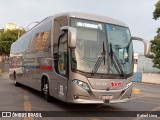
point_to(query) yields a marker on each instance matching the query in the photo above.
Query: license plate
(107, 96)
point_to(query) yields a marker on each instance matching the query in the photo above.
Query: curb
(146, 83)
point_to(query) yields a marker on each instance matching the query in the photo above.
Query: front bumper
(89, 98)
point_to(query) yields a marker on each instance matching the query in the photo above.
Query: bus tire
(46, 89)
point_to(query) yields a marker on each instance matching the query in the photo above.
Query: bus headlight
(127, 85)
(81, 84)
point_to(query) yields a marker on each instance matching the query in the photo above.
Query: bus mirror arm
(72, 36)
(147, 44)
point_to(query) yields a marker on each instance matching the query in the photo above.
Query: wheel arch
(45, 77)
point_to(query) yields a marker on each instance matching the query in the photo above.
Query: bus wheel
(46, 91)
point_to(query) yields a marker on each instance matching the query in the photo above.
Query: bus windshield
(95, 38)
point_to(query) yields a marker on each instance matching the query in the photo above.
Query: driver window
(60, 46)
(62, 60)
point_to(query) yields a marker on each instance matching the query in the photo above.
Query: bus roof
(81, 15)
(92, 17)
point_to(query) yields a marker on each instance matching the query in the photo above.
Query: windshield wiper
(116, 62)
(99, 61)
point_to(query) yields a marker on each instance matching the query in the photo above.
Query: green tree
(7, 37)
(155, 49)
(155, 44)
(156, 13)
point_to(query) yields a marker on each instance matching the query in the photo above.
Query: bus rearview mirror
(147, 44)
(72, 36)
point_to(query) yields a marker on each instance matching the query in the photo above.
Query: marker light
(81, 84)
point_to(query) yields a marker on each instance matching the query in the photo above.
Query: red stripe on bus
(46, 67)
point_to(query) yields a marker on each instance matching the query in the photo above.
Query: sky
(137, 14)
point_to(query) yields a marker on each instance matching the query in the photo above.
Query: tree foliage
(156, 13)
(155, 44)
(7, 37)
(155, 49)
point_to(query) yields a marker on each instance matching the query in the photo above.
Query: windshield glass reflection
(93, 38)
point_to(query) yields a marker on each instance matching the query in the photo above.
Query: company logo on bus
(116, 84)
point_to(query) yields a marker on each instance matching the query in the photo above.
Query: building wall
(11, 26)
(145, 65)
(151, 78)
(4, 67)
(145, 72)
(137, 77)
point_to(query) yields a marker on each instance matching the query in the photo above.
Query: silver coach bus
(77, 58)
